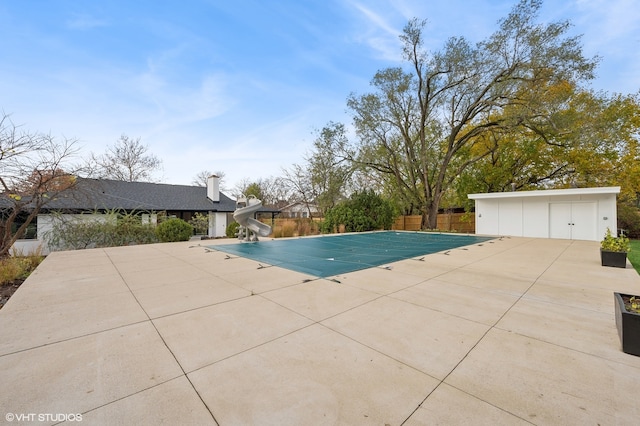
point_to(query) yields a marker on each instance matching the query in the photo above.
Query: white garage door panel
(583, 217)
(560, 220)
(510, 218)
(573, 221)
(535, 220)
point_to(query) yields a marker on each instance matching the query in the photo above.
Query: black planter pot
(628, 325)
(616, 259)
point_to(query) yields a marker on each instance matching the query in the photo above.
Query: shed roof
(546, 193)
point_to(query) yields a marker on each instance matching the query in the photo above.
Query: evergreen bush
(629, 220)
(232, 229)
(200, 223)
(174, 229)
(364, 211)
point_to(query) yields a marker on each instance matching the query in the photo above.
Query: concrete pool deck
(512, 331)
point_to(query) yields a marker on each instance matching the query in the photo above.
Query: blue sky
(242, 86)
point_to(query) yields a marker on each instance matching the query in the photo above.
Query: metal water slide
(246, 207)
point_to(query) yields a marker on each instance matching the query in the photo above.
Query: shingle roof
(105, 194)
(97, 194)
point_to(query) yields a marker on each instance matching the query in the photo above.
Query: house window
(149, 219)
(31, 232)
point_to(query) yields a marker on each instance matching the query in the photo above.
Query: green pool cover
(331, 255)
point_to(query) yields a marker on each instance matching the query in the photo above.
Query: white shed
(574, 214)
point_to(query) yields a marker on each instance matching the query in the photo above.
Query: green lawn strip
(634, 255)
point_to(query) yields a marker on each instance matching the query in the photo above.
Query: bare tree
(325, 178)
(271, 191)
(127, 160)
(200, 179)
(32, 174)
(241, 187)
(275, 191)
(298, 179)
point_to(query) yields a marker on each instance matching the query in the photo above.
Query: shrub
(200, 223)
(364, 211)
(11, 268)
(99, 230)
(30, 259)
(129, 229)
(629, 220)
(232, 229)
(18, 267)
(285, 230)
(611, 243)
(174, 230)
(306, 227)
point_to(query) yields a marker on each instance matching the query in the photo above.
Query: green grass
(634, 255)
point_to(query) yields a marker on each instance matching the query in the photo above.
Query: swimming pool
(330, 255)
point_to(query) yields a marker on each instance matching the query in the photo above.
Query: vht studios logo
(43, 417)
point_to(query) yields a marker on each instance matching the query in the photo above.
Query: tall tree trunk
(432, 214)
(424, 222)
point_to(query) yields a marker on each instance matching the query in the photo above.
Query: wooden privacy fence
(455, 222)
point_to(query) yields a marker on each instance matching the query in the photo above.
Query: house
(573, 214)
(95, 197)
(300, 209)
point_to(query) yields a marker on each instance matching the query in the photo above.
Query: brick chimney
(213, 188)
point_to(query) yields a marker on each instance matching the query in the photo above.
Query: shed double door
(573, 221)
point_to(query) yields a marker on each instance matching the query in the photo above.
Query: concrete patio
(512, 331)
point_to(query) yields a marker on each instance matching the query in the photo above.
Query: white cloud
(610, 23)
(378, 33)
(85, 22)
(376, 19)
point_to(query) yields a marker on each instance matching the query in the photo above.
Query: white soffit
(546, 193)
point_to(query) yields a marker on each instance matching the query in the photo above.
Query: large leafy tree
(33, 172)
(579, 138)
(425, 124)
(622, 116)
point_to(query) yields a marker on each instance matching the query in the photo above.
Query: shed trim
(546, 193)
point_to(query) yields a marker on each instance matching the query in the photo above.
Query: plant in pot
(628, 322)
(613, 250)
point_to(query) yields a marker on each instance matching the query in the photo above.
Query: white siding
(572, 214)
(487, 219)
(510, 217)
(217, 224)
(535, 219)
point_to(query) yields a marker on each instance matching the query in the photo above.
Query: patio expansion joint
(106, 404)
(489, 329)
(249, 348)
(311, 324)
(93, 333)
(252, 294)
(164, 342)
